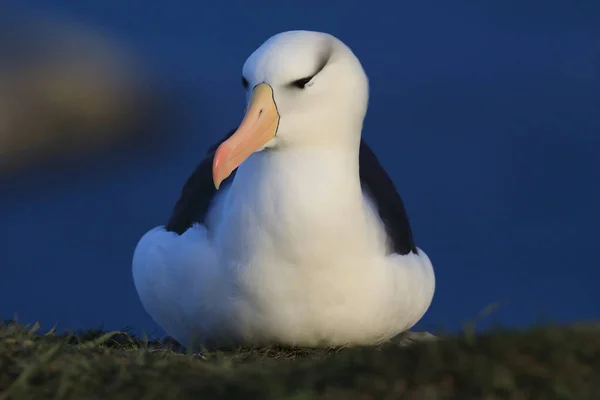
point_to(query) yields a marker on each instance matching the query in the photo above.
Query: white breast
(306, 255)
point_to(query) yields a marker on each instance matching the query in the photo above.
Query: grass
(542, 362)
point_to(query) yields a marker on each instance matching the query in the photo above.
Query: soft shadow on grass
(542, 362)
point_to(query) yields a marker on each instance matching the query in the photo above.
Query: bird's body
(306, 244)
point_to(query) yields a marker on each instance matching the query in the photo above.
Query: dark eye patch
(301, 83)
(245, 83)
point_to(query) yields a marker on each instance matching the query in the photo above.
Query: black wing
(197, 194)
(390, 206)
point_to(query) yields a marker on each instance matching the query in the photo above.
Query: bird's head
(303, 89)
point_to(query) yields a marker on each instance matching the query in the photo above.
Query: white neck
(302, 173)
(324, 131)
(300, 195)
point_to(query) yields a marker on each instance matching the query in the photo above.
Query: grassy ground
(544, 362)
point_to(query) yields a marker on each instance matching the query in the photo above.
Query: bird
(289, 231)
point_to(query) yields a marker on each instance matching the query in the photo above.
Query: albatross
(289, 231)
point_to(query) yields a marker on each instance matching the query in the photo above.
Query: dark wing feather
(390, 206)
(197, 194)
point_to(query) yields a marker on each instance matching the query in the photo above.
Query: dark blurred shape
(65, 89)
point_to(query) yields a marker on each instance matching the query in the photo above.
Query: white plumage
(293, 251)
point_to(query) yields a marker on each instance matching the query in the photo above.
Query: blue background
(485, 113)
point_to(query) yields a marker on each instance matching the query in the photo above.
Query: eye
(301, 83)
(245, 83)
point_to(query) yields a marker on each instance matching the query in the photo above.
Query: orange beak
(257, 128)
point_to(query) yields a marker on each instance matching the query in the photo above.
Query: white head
(303, 89)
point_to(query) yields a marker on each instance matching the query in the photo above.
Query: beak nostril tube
(258, 126)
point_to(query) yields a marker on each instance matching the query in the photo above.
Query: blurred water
(485, 115)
